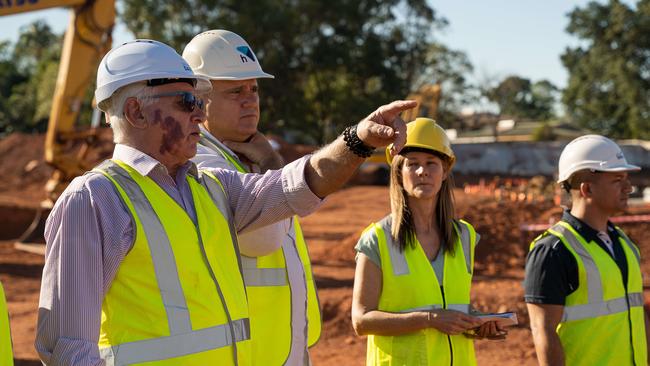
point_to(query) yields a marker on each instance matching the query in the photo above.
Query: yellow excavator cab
(428, 97)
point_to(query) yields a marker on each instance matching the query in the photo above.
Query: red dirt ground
(331, 234)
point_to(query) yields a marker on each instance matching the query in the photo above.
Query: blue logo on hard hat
(244, 50)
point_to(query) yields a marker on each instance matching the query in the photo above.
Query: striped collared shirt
(90, 230)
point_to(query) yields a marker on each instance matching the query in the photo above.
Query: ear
(446, 169)
(133, 113)
(585, 189)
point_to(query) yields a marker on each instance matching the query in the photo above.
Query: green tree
(518, 97)
(609, 73)
(36, 44)
(545, 95)
(334, 60)
(28, 72)
(10, 77)
(449, 68)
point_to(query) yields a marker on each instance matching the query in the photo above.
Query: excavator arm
(428, 98)
(86, 41)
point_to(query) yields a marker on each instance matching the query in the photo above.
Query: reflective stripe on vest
(178, 317)
(181, 344)
(254, 276)
(314, 314)
(6, 355)
(618, 305)
(596, 306)
(463, 308)
(182, 339)
(217, 193)
(629, 244)
(397, 259)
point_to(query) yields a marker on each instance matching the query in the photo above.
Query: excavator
(428, 98)
(67, 145)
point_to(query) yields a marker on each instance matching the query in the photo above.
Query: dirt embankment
(331, 233)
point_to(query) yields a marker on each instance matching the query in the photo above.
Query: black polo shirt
(551, 269)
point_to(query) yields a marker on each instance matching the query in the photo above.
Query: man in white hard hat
(283, 304)
(583, 285)
(142, 264)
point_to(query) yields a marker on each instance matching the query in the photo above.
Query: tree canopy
(518, 97)
(334, 61)
(609, 72)
(28, 73)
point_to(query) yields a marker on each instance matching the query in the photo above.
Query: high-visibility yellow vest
(6, 356)
(269, 300)
(269, 292)
(603, 321)
(409, 284)
(178, 297)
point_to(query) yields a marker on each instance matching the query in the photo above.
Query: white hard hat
(140, 60)
(223, 55)
(593, 152)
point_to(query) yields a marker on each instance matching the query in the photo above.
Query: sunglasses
(189, 102)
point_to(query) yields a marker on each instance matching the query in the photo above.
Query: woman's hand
(490, 330)
(452, 322)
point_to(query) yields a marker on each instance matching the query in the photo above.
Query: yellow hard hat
(425, 133)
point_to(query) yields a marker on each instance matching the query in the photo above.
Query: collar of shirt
(145, 164)
(587, 232)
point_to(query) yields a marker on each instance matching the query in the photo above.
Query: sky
(500, 37)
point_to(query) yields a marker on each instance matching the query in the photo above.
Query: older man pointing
(142, 264)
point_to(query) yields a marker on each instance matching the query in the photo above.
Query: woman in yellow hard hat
(414, 267)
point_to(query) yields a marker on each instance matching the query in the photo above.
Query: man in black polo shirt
(583, 285)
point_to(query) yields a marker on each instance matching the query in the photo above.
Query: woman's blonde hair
(403, 226)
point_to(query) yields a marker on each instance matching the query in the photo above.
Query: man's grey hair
(114, 107)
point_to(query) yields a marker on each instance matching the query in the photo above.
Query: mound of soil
(331, 234)
(23, 171)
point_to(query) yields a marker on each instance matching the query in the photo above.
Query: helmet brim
(105, 92)
(613, 169)
(240, 76)
(620, 168)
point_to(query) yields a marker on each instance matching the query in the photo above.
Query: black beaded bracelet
(354, 143)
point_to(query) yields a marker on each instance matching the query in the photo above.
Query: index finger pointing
(393, 109)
